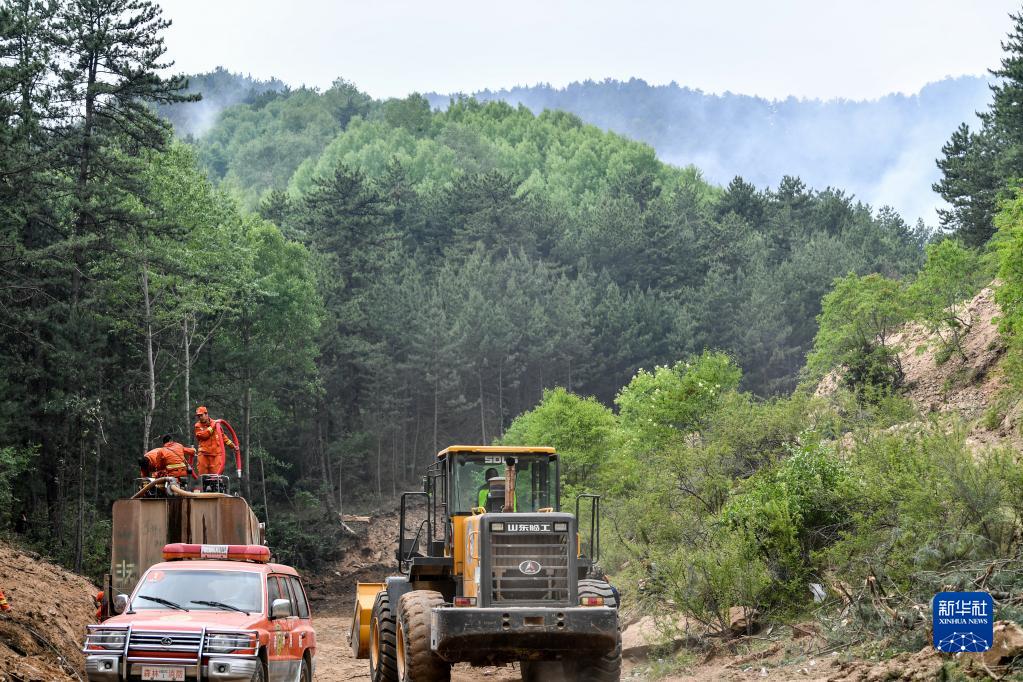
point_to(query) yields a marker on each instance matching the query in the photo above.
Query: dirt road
(334, 661)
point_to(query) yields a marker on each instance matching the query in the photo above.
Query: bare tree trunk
(380, 489)
(247, 433)
(415, 442)
(436, 398)
(80, 529)
(150, 361)
(500, 400)
(329, 497)
(483, 418)
(340, 484)
(262, 478)
(186, 345)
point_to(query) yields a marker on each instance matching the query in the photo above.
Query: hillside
(971, 387)
(882, 151)
(41, 637)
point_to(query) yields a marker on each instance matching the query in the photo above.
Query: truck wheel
(259, 675)
(416, 660)
(607, 668)
(383, 666)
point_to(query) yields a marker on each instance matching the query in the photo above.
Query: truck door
(280, 661)
(301, 627)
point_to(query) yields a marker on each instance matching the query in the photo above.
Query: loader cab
(456, 488)
(536, 481)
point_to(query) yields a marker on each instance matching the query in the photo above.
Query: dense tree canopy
(356, 283)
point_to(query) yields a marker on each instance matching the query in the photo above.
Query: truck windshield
(535, 481)
(200, 590)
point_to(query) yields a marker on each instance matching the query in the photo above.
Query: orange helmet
(201, 410)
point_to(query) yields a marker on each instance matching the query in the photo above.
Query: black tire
(544, 671)
(417, 661)
(383, 664)
(306, 674)
(260, 674)
(607, 668)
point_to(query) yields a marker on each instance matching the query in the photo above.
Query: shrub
(951, 276)
(706, 581)
(792, 510)
(857, 322)
(14, 461)
(581, 429)
(662, 405)
(930, 510)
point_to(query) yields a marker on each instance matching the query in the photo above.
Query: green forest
(357, 283)
(880, 150)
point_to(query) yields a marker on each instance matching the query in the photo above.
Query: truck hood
(150, 619)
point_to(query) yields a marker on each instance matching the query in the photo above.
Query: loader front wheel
(416, 660)
(383, 663)
(607, 668)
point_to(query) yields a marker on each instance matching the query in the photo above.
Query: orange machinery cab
(208, 612)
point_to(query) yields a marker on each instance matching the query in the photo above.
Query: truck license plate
(162, 674)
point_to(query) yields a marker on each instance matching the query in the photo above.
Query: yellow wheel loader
(493, 573)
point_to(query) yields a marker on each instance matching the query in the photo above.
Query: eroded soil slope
(41, 637)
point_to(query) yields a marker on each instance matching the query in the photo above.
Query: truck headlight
(106, 640)
(230, 643)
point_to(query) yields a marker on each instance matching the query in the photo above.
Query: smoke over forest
(882, 151)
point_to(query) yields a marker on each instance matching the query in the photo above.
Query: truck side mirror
(281, 608)
(120, 603)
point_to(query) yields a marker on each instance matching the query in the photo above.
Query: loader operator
(212, 443)
(168, 460)
(483, 496)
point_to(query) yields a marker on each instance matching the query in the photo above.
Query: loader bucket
(358, 637)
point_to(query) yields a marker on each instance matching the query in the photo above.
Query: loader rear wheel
(416, 660)
(383, 663)
(606, 668)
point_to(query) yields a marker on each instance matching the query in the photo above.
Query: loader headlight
(497, 527)
(560, 527)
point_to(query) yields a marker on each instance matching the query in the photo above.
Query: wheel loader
(491, 572)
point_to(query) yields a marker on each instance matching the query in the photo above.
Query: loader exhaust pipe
(509, 485)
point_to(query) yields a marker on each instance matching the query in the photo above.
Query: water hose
(172, 485)
(221, 424)
(181, 492)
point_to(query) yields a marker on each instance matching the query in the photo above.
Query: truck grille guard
(179, 647)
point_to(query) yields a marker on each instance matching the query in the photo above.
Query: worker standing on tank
(212, 442)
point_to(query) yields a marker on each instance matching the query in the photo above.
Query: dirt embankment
(41, 637)
(969, 384)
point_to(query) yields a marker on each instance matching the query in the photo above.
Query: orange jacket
(166, 461)
(211, 439)
(181, 450)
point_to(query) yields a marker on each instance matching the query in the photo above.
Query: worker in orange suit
(212, 442)
(168, 460)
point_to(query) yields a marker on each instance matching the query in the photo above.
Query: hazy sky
(774, 48)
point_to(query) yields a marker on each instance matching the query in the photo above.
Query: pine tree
(1006, 113)
(970, 184)
(108, 80)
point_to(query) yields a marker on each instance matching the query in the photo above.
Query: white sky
(773, 48)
